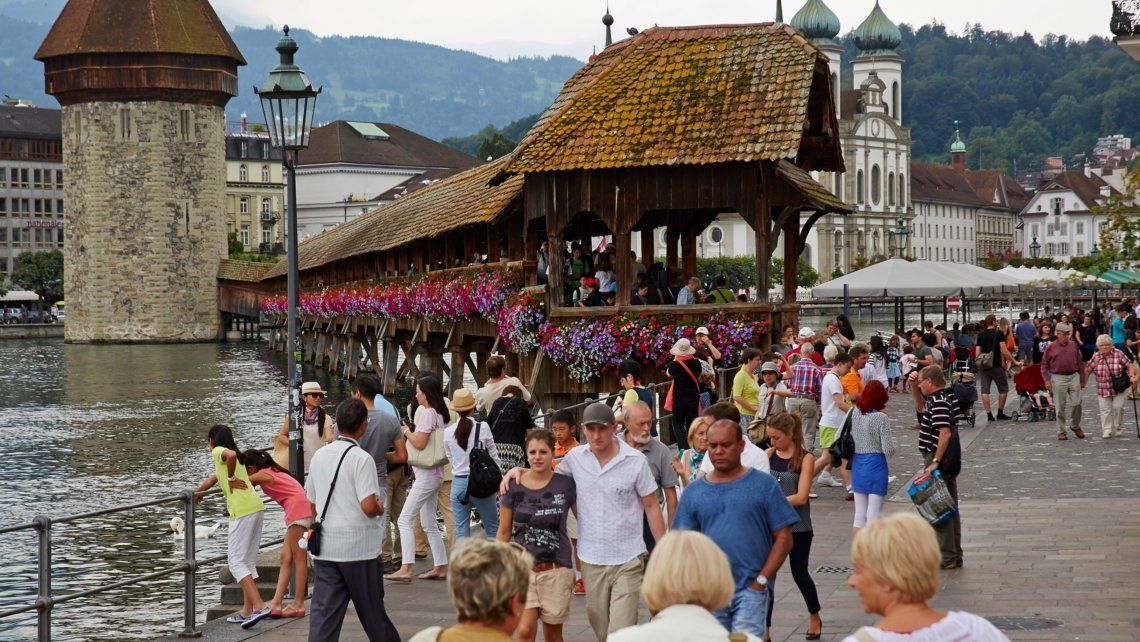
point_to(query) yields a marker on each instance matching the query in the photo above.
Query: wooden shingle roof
(463, 199)
(679, 95)
(139, 27)
(249, 271)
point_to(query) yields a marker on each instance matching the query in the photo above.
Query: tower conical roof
(877, 35)
(816, 21)
(139, 27)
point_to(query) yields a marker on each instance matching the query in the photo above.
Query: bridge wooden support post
(352, 356)
(334, 351)
(458, 366)
(319, 351)
(389, 365)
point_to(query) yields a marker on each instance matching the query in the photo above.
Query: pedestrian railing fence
(47, 599)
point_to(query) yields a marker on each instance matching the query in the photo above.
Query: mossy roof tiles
(233, 270)
(463, 199)
(679, 95)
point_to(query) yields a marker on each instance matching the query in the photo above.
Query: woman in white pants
(873, 447)
(423, 501)
(1108, 362)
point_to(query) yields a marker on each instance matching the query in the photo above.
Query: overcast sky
(516, 27)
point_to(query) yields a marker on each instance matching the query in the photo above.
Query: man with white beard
(638, 424)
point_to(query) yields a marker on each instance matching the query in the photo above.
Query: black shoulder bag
(844, 447)
(315, 531)
(483, 475)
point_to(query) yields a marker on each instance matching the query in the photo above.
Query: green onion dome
(816, 21)
(877, 35)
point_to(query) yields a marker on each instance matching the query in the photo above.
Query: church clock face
(876, 127)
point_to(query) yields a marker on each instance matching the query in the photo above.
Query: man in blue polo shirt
(746, 514)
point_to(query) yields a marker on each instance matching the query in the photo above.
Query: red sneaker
(579, 587)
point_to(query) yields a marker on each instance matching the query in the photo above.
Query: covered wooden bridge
(668, 129)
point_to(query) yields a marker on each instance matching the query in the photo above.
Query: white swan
(178, 525)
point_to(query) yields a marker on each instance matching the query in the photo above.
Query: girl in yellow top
(746, 388)
(247, 513)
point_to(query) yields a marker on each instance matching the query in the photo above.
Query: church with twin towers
(876, 150)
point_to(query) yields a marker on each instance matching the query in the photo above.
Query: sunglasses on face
(315, 394)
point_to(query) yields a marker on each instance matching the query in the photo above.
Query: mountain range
(430, 89)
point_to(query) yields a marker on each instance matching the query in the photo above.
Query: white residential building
(351, 167)
(1059, 217)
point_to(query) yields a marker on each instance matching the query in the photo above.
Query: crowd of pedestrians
(599, 505)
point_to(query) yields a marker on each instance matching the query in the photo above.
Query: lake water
(85, 427)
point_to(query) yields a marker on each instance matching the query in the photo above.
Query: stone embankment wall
(145, 196)
(31, 331)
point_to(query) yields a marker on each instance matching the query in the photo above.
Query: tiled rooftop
(679, 95)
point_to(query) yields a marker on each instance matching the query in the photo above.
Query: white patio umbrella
(902, 278)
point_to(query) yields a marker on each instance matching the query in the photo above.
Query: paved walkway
(1051, 536)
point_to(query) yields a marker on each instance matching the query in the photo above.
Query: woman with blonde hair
(896, 562)
(488, 582)
(686, 579)
(787, 459)
(687, 465)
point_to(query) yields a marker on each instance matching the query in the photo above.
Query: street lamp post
(899, 236)
(288, 100)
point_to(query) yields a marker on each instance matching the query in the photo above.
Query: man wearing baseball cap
(806, 336)
(615, 489)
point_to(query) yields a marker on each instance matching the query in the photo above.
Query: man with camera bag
(345, 494)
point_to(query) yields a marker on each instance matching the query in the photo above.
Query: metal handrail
(45, 601)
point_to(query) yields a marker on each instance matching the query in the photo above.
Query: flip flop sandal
(289, 614)
(438, 578)
(398, 580)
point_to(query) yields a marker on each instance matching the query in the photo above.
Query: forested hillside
(1017, 99)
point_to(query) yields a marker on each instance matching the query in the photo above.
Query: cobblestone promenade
(1051, 535)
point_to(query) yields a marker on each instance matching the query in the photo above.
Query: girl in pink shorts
(280, 486)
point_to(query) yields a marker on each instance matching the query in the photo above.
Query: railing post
(189, 595)
(43, 596)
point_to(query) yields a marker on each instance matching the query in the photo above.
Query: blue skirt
(893, 371)
(869, 474)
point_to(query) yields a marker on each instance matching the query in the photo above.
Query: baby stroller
(962, 382)
(1028, 382)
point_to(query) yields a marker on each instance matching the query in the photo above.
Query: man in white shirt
(345, 493)
(833, 409)
(753, 456)
(615, 488)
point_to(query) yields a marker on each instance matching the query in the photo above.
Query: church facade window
(876, 184)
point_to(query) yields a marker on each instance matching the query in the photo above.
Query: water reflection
(86, 427)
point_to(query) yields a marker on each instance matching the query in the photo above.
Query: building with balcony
(1060, 215)
(31, 181)
(255, 189)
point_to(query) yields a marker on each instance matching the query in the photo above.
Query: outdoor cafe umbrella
(902, 278)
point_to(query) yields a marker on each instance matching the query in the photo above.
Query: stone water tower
(143, 85)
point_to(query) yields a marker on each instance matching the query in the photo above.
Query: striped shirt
(939, 413)
(806, 379)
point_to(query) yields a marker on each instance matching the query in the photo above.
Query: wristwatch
(936, 461)
(763, 582)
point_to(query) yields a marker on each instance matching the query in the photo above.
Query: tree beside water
(40, 272)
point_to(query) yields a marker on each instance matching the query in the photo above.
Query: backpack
(844, 446)
(484, 475)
